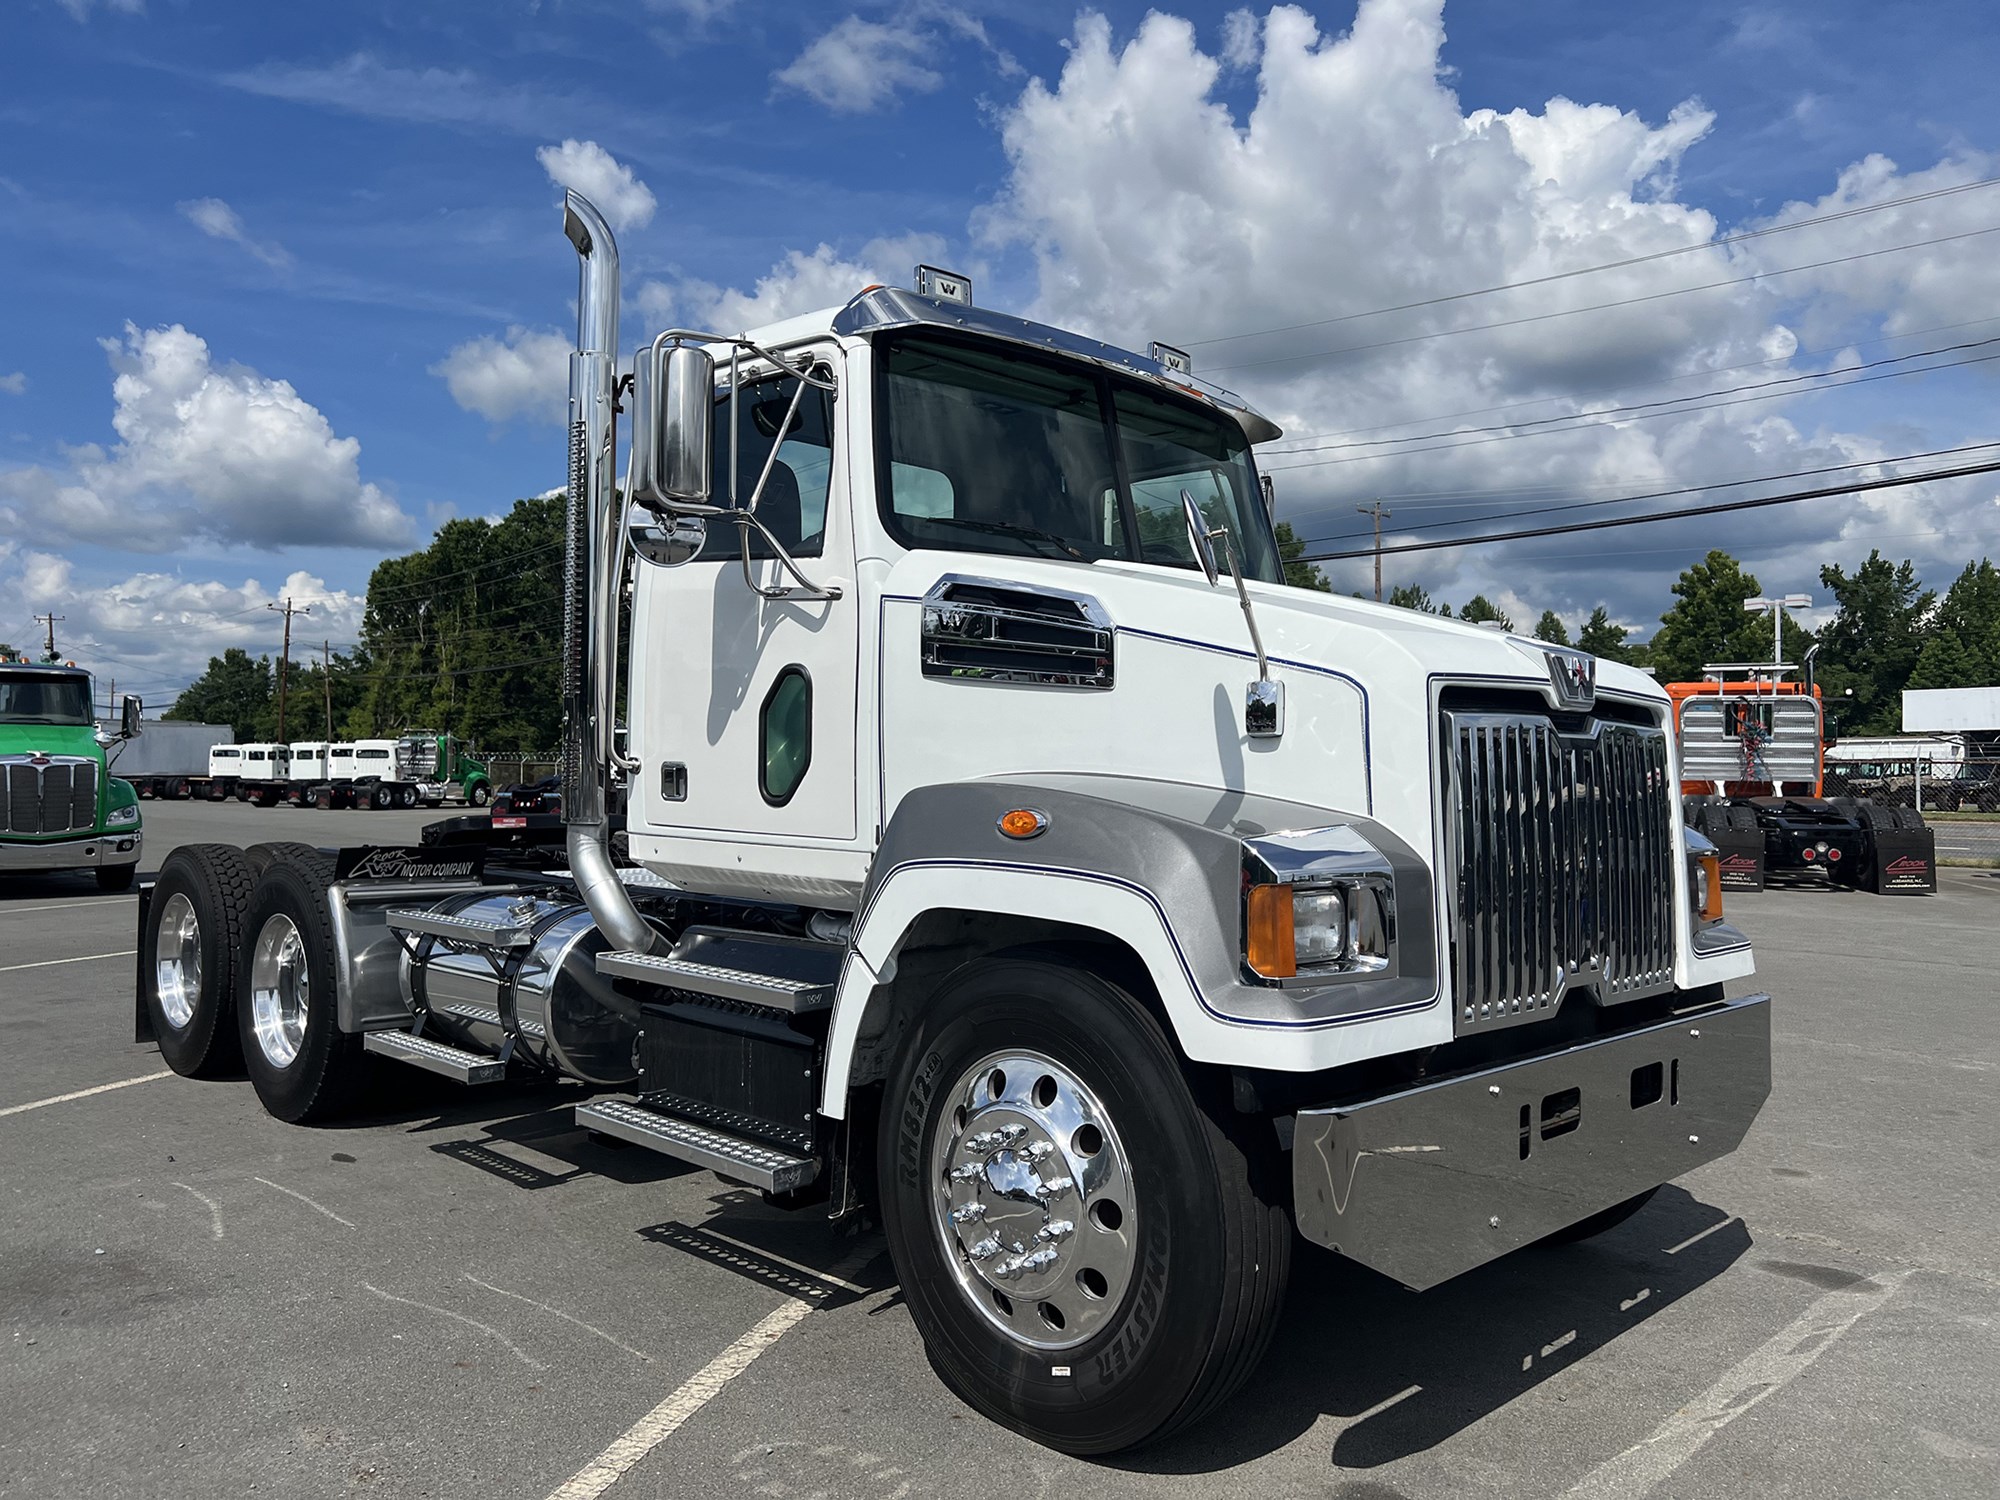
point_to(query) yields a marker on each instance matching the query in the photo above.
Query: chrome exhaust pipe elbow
(591, 560)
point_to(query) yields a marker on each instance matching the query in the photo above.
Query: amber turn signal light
(1269, 946)
(1711, 903)
(1022, 822)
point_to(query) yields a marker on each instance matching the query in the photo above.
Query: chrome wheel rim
(177, 961)
(1032, 1200)
(280, 990)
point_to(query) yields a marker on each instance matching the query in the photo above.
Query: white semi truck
(1002, 867)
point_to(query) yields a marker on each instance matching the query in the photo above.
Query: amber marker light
(1268, 944)
(1711, 905)
(1023, 823)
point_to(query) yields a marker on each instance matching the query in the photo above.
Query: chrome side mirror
(1264, 699)
(669, 541)
(1200, 538)
(128, 720)
(673, 397)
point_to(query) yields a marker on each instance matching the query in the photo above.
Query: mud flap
(1905, 862)
(1742, 856)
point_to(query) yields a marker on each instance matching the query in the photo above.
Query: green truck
(60, 806)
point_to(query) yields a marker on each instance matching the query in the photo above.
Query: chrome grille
(57, 796)
(1562, 849)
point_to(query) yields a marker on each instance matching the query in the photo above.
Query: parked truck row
(1017, 861)
(424, 768)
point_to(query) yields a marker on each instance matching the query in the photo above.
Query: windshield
(996, 450)
(31, 698)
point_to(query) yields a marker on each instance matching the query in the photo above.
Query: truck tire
(263, 856)
(1739, 819)
(379, 796)
(1694, 812)
(480, 793)
(177, 789)
(187, 956)
(406, 796)
(303, 1066)
(1907, 817)
(1091, 1318)
(117, 877)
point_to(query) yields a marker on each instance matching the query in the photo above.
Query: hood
(51, 739)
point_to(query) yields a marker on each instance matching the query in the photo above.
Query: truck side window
(794, 501)
(786, 725)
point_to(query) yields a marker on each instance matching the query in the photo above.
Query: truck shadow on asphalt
(1409, 1370)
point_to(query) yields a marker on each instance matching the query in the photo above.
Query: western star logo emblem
(1574, 674)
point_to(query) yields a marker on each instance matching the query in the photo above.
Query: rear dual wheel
(1093, 1257)
(303, 1066)
(188, 955)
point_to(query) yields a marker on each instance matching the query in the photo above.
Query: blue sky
(337, 198)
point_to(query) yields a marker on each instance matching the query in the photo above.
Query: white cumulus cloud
(525, 375)
(218, 220)
(81, 9)
(802, 282)
(859, 66)
(205, 451)
(15, 384)
(625, 201)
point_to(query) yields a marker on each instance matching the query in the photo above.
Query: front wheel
(1092, 1257)
(480, 795)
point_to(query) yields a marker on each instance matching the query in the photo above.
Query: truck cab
(60, 808)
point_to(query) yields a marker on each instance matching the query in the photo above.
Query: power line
(1613, 265)
(1856, 488)
(1664, 406)
(1687, 489)
(1570, 312)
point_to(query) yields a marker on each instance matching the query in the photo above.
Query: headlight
(1317, 905)
(1704, 879)
(122, 817)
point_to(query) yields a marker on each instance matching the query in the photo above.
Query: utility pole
(1378, 513)
(288, 609)
(326, 647)
(50, 621)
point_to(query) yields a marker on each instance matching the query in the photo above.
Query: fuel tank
(570, 1020)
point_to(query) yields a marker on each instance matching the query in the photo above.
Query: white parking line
(664, 1420)
(22, 911)
(49, 963)
(102, 1088)
(1767, 1370)
(700, 1388)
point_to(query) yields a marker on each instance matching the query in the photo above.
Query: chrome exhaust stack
(591, 562)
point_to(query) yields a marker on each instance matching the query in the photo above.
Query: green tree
(1946, 662)
(1481, 610)
(1969, 611)
(1299, 574)
(1872, 643)
(1600, 637)
(1708, 624)
(1550, 628)
(1415, 596)
(235, 690)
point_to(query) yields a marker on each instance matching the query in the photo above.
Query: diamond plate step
(479, 931)
(771, 991)
(435, 1057)
(734, 1157)
(486, 1015)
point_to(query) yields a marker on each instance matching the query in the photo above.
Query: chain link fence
(1934, 786)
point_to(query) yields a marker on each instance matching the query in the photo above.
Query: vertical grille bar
(1561, 855)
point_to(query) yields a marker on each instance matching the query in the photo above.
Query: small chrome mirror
(1199, 539)
(669, 541)
(673, 396)
(1264, 709)
(128, 722)
(1270, 492)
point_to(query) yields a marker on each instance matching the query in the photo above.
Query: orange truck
(1752, 756)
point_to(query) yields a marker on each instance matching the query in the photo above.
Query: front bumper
(120, 847)
(1428, 1183)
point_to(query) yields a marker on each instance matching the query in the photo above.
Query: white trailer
(1016, 858)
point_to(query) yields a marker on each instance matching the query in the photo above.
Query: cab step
(791, 975)
(486, 1015)
(733, 1156)
(478, 932)
(435, 1057)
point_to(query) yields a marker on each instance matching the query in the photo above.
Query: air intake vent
(978, 630)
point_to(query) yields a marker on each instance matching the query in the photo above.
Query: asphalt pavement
(459, 1293)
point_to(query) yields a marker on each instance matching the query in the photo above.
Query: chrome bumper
(119, 848)
(1425, 1184)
